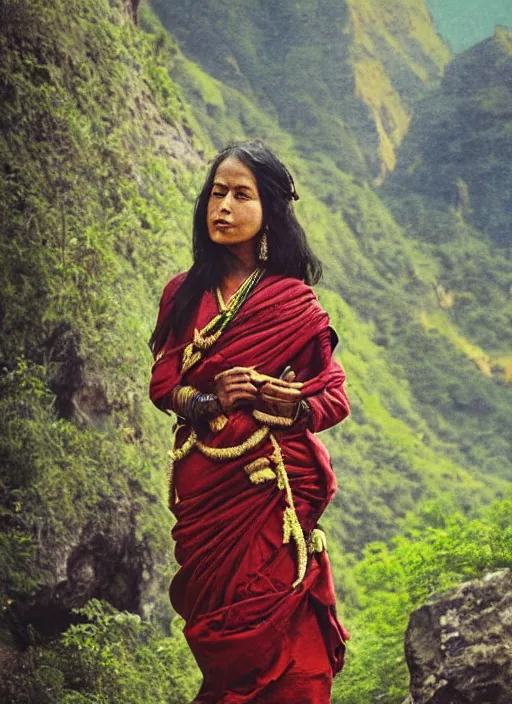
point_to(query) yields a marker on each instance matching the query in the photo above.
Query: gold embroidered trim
(291, 525)
(190, 357)
(177, 455)
(317, 541)
(262, 475)
(268, 419)
(259, 471)
(170, 482)
(193, 352)
(258, 463)
(231, 453)
(219, 453)
(218, 423)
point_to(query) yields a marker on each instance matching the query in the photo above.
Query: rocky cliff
(93, 135)
(459, 646)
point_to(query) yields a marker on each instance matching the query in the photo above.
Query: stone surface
(459, 646)
(110, 564)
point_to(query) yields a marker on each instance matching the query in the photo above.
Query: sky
(463, 23)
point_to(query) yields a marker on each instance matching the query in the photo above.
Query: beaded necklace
(204, 339)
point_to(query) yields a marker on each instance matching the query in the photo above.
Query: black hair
(288, 251)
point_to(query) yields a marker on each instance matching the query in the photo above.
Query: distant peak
(503, 35)
(501, 40)
(502, 31)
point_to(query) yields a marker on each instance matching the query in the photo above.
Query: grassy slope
(451, 194)
(101, 161)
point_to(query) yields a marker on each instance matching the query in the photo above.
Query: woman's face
(235, 212)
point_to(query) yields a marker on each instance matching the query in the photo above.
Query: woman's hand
(234, 388)
(245, 386)
(282, 396)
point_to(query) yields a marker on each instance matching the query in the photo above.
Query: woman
(243, 357)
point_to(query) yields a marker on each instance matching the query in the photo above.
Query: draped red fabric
(256, 639)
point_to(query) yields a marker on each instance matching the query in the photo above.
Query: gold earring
(263, 247)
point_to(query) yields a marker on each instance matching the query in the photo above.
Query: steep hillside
(105, 133)
(451, 191)
(458, 151)
(340, 76)
(391, 284)
(98, 156)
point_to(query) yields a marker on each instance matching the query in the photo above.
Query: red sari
(256, 638)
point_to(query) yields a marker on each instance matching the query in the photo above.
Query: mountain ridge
(363, 72)
(101, 158)
(458, 149)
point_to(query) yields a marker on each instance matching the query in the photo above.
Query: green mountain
(342, 77)
(106, 129)
(459, 146)
(391, 278)
(451, 191)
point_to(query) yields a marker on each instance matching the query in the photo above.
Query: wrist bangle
(204, 405)
(189, 403)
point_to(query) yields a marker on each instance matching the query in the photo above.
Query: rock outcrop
(459, 646)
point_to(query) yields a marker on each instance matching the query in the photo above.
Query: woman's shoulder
(291, 298)
(288, 284)
(172, 286)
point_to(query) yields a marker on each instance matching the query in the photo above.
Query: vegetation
(435, 551)
(94, 202)
(111, 658)
(106, 129)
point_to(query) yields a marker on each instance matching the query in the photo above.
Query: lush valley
(340, 77)
(106, 132)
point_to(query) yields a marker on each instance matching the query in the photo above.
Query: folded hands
(242, 386)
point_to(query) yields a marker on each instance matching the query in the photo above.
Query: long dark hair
(288, 250)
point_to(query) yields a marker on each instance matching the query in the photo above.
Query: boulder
(459, 646)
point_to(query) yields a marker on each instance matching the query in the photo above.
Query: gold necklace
(204, 339)
(246, 283)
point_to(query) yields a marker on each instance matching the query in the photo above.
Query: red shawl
(255, 638)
